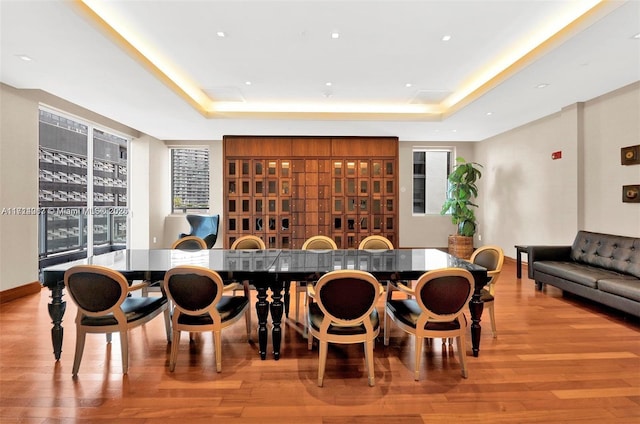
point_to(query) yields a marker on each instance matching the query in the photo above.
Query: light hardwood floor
(556, 360)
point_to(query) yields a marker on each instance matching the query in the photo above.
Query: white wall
(611, 122)
(18, 189)
(19, 177)
(528, 198)
(425, 230)
(174, 224)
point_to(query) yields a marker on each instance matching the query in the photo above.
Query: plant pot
(461, 246)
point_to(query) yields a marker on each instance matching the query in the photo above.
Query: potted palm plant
(460, 203)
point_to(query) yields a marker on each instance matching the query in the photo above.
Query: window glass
(190, 180)
(430, 171)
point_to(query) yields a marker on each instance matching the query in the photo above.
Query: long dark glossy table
(268, 270)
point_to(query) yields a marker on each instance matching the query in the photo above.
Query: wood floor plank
(557, 359)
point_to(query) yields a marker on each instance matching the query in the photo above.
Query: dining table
(269, 271)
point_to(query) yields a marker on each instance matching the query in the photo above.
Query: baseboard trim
(20, 291)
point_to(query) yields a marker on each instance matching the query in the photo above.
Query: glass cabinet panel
(285, 169)
(351, 169)
(337, 186)
(364, 168)
(351, 186)
(337, 169)
(377, 168)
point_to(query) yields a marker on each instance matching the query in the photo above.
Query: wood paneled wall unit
(287, 189)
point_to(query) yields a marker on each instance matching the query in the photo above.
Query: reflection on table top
(279, 261)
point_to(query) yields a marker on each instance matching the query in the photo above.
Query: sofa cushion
(625, 287)
(575, 272)
(616, 253)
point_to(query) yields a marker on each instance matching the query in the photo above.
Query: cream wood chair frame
(421, 321)
(318, 242)
(189, 243)
(375, 242)
(492, 258)
(105, 307)
(184, 243)
(208, 314)
(359, 322)
(248, 242)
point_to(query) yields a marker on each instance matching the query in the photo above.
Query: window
(82, 184)
(189, 180)
(431, 168)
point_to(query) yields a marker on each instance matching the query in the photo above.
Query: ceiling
(115, 60)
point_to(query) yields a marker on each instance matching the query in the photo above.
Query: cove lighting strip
(102, 12)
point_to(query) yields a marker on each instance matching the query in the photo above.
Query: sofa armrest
(546, 253)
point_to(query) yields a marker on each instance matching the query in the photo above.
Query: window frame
(85, 212)
(450, 159)
(187, 210)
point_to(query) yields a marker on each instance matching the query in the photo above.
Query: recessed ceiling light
(637, 36)
(408, 85)
(489, 113)
(328, 84)
(24, 57)
(543, 85)
(446, 37)
(454, 130)
(335, 35)
(221, 34)
(247, 83)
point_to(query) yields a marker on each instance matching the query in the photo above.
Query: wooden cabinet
(287, 189)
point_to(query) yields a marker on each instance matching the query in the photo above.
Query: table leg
(476, 306)
(262, 311)
(276, 317)
(518, 263)
(57, 308)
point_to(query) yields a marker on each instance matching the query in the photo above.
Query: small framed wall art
(630, 155)
(631, 193)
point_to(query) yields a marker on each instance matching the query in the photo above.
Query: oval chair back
(104, 306)
(199, 305)
(318, 242)
(189, 243)
(441, 297)
(248, 242)
(492, 258)
(345, 312)
(375, 242)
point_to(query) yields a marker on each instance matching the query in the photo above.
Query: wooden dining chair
(184, 243)
(344, 311)
(375, 242)
(104, 306)
(189, 243)
(319, 242)
(492, 258)
(199, 305)
(437, 311)
(248, 242)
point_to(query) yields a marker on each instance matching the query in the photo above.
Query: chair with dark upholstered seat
(154, 284)
(375, 242)
(196, 293)
(312, 243)
(104, 306)
(492, 258)
(441, 296)
(344, 312)
(189, 243)
(205, 227)
(248, 242)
